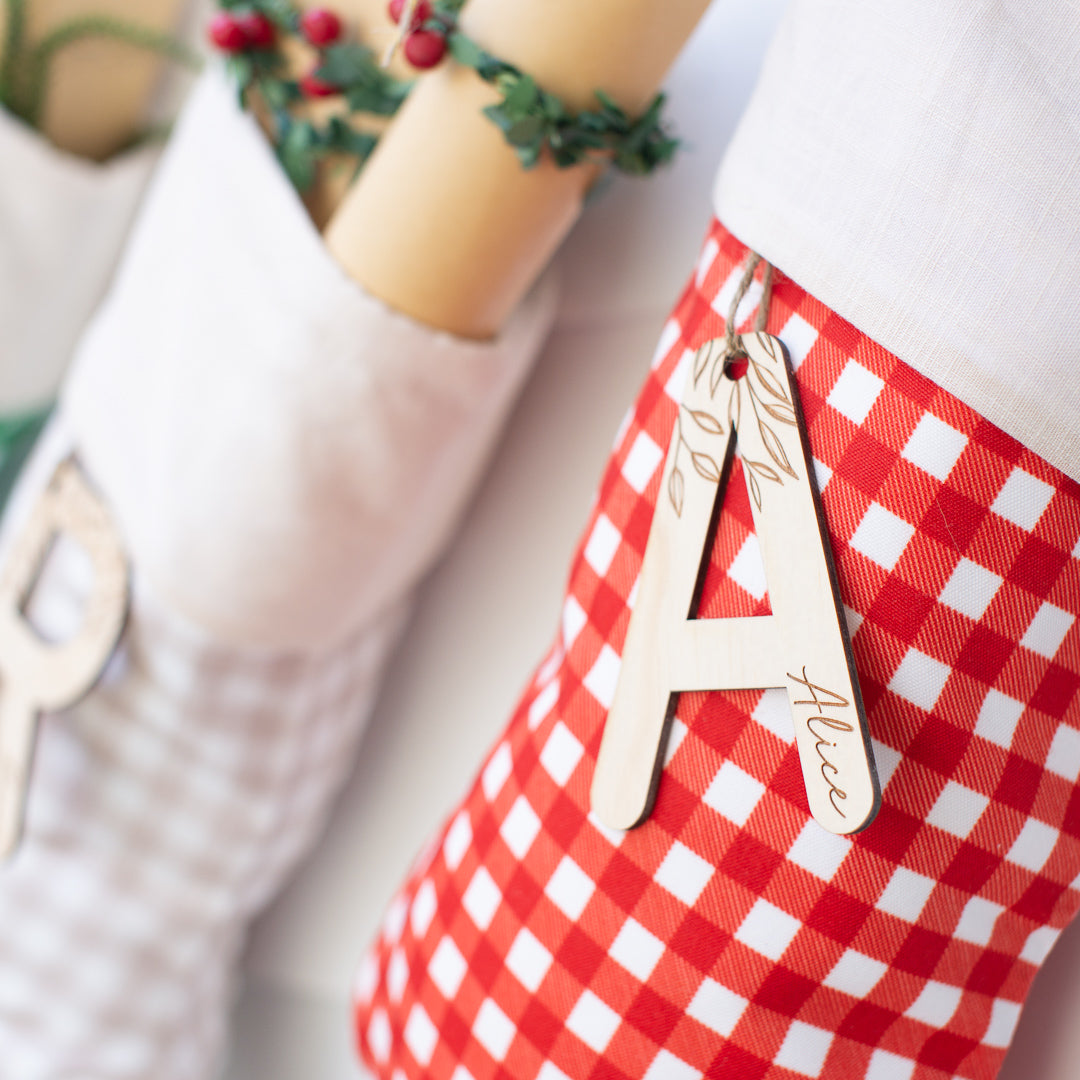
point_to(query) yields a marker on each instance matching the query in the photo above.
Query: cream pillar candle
(98, 88)
(444, 224)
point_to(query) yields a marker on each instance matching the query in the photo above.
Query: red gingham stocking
(730, 936)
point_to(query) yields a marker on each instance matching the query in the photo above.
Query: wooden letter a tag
(35, 675)
(803, 645)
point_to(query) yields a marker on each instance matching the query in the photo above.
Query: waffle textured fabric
(165, 810)
(730, 936)
(63, 220)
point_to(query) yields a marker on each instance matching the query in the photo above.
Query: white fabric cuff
(285, 455)
(62, 222)
(917, 169)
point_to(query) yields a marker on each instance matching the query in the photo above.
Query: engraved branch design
(769, 402)
(774, 404)
(704, 464)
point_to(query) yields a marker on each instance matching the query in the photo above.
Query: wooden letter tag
(803, 646)
(36, 675)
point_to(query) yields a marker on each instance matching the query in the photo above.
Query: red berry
(425, 48)
(312, 86)
(320, 26)
(226, 33)
(421, 13)
(257, 29)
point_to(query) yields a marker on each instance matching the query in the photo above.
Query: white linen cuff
(285, 455)
(62, 222)
(916, 169)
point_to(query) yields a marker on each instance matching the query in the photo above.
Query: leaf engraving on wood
(762, 469)
(772, 443)
(676, 489)
(784, 413)
(707, 422)
(753, 487)
(716, 375)
(705, 466)
(769, 381)
(734, 408)
(701, 360)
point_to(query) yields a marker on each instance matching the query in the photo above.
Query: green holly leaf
(374, 99)
(365, 99)
(240, 68)
(281, 12)
(344, 65)
(566, 156)
(529, 155)
(343, 138)
(665, 151)
(490, 68)
(465, 51)
(651, 118)
(499, 117)
(522, 96)
(610, 108)
(590, 122)
(526, 131)
(366, 86)
(553, 108)
(278, 93)
(297, 153)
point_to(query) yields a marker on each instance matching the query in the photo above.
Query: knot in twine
(731, 346)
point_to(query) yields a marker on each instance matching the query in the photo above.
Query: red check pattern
(730, 936)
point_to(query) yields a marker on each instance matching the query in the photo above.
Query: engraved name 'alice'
(822, 699)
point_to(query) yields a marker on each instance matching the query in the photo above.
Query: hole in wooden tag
(737, 367)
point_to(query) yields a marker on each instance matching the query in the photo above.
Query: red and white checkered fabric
(730, 936)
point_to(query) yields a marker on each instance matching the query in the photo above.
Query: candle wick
(404, 22)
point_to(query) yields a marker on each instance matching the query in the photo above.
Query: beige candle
(444, 223)
(98, 89)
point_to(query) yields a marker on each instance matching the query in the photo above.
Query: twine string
(753, 260)
(762, 318)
